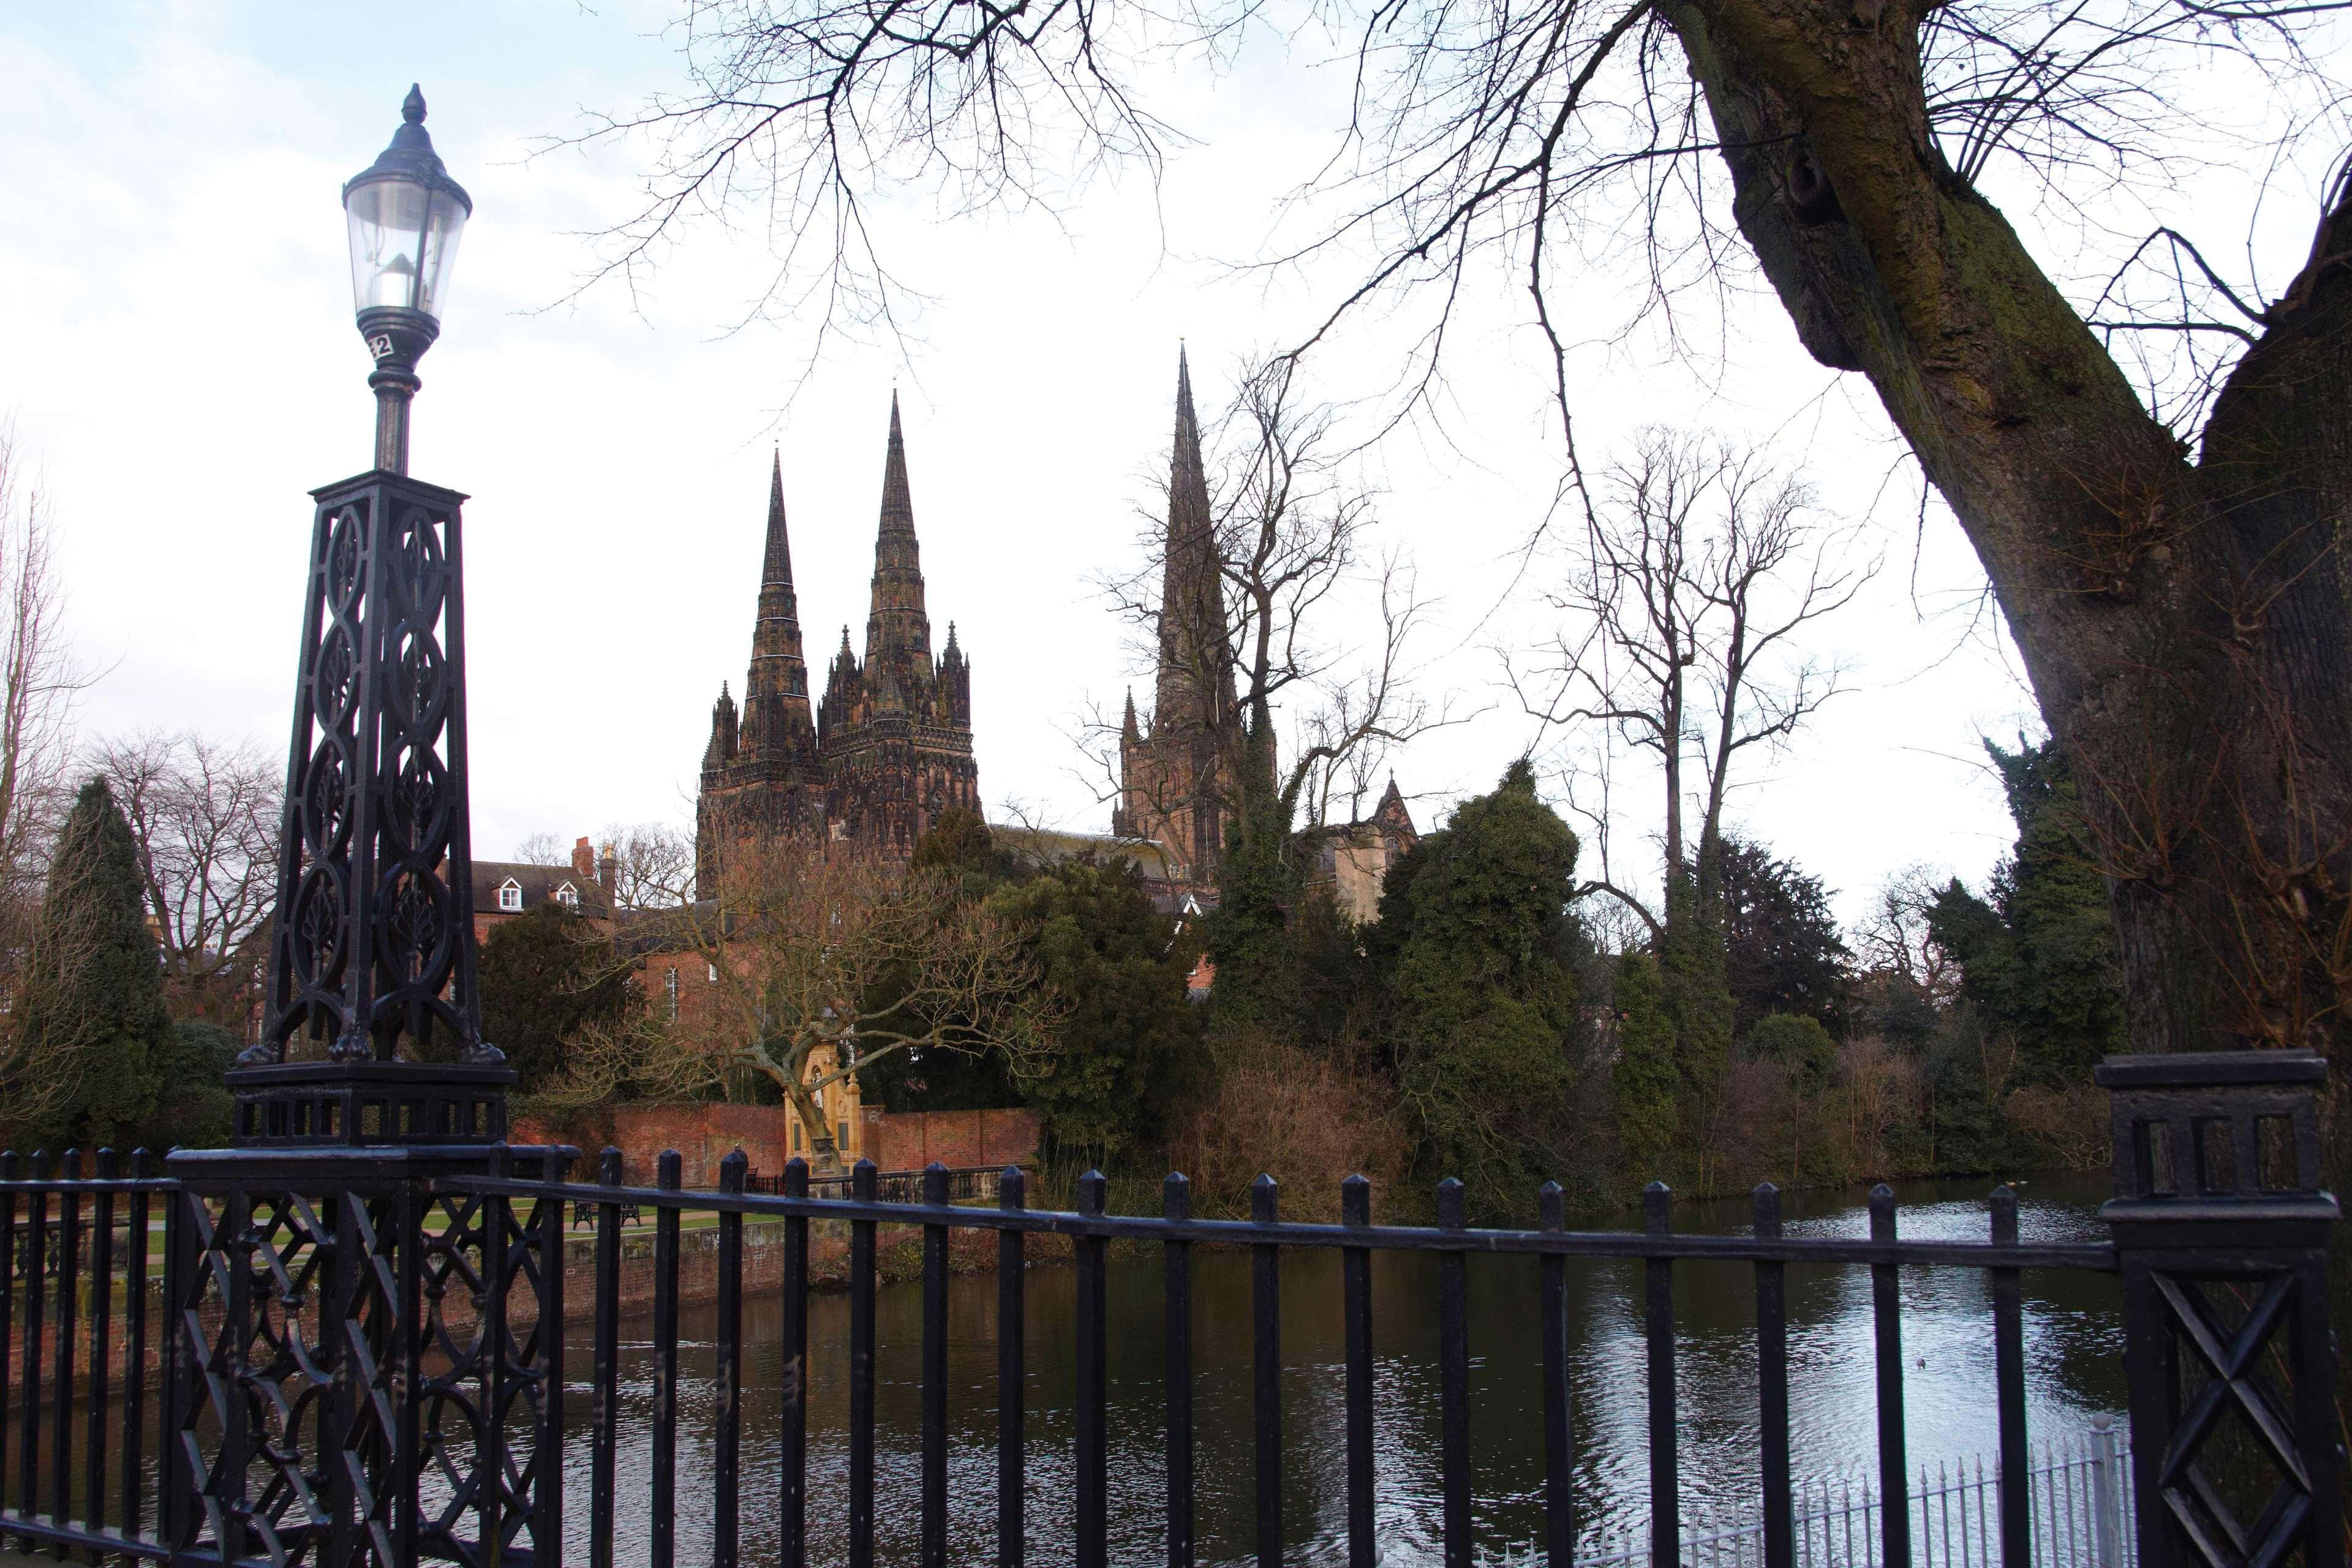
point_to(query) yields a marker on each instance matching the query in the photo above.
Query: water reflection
(2073, 1342)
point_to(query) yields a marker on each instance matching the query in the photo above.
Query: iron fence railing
(358, 1359)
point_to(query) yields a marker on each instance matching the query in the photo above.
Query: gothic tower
(895, 732)
(1175, 778)
(762, 773)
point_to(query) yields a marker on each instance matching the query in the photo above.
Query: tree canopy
(2038, 961)
(1484, 1010)
(544, 975)
(1128, 1044)
(1783, 952)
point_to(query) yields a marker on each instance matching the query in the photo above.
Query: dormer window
(568, 896)
(510, 895)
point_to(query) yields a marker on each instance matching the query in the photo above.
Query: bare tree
(206, 815)
(1894, 939)
(39, 679)
(824, 957)
(543, 848)
(1680, 618)
(653, 864)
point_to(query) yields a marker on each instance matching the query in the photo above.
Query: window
(796, 1137)
(670, 989)
(510, 895)
(714, 973)
(568, 896)
(842, 1140)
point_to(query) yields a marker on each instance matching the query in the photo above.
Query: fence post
(2221, 1233)
(2106, 1503)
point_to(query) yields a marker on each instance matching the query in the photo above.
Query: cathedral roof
(1050, 847)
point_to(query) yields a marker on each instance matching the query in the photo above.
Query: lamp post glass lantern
(405, 216)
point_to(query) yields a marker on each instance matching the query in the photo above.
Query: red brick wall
(953, 1138)
(705, 1135)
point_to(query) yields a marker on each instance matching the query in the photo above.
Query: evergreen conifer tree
(1643, 1080)
(1695, 987)
(1485, 991)
(544, 976)
(1129, 1042)
(2039, 960)
(94, 983)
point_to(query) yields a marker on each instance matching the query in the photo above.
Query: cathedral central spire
(1176, 780)
(1195, 685)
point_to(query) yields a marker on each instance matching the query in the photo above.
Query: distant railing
(2080, 1510)
(966, 1185)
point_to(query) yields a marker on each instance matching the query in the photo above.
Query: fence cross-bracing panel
(358, 1360)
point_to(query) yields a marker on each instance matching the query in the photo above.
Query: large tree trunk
(2183, 623)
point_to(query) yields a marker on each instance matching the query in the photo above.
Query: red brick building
(506, 889)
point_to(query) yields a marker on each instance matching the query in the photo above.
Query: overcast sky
(180, 356)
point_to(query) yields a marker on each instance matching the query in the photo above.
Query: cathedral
(889, 747)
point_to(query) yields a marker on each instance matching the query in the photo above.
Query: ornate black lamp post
(374, 1033)
(336, 1313)
(407, 215)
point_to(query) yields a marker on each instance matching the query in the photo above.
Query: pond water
(2072, 1351)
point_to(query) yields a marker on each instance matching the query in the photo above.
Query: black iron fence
(359, 1360)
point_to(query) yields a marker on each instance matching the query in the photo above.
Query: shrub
(2067, 1127)
(1795, 1042)
(1307, 1119)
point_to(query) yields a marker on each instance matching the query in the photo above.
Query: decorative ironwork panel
(365, 1368)
(2222, 1229)
(257, 1324)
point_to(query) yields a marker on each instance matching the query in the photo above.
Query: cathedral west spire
(887, 750)
(778, 665)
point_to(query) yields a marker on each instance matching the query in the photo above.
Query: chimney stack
(583, 859)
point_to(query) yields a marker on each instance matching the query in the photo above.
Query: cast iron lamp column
(372, 960)
(331, 1306)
